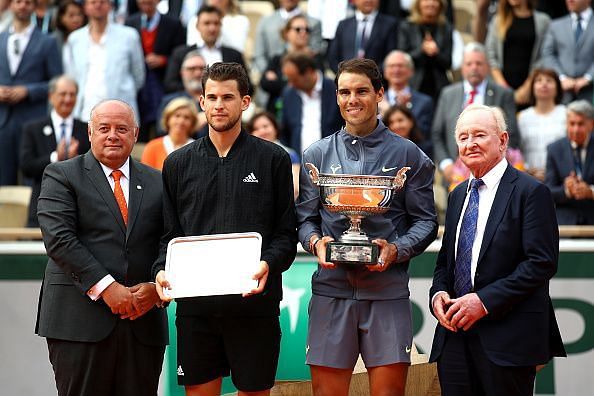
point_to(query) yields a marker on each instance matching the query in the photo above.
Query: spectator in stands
(105, 59)
(180, 119)
(209, 46)
(309, 109)
(475, 88)
(160, 35)
(30, 59)
(569, 50)
(45, 16)
(570, 167)
(191, 74)
(398, 70)
(5, 15)
(514, 42)
(401, 9)
(427, 37)
(264, 126)
(70, 17)
(296, 34)
(543, 122)
(368, 34)
(51, 139)
(268, 39)
(234, 29)
(329, 13)
(401, 120)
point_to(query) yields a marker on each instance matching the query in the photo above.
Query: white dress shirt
(17, 42)
(311, 114)
(57, 124)
(94, 292)
(96, 86)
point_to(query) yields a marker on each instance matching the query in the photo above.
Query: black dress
(517, 51)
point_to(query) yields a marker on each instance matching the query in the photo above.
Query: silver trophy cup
(355, 196)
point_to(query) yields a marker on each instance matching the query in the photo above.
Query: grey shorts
(341, 329)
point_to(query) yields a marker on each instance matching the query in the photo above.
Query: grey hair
(125, 104)
(52, 85)
(407, 58)
(474, 46)
(193, 54)
(495, 111)
(581, 107)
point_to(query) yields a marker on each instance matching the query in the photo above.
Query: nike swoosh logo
(407, 349)
(384, 169)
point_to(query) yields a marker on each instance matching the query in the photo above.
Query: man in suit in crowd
(475, 88)
(368, 34)
(101, 219)
(568, 48)
(160, 35)
(28, 60)
(105, 59)
(269, 42)
(398, 70)
(570, 167)
(208, 24)
(191, 72)
(309, 104)
(490, 289)
(51, 139)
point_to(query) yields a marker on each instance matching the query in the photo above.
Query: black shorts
(210, 347)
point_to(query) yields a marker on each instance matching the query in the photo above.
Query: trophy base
(363, 253)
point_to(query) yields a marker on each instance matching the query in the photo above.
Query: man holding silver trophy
(381, 184)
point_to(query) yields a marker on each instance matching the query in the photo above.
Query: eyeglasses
(300, 29)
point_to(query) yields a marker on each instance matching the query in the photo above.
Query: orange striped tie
(119, 195)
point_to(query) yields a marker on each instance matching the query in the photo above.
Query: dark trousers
(465, 370)
(117, 366)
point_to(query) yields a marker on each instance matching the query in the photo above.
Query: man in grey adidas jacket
(364, 310)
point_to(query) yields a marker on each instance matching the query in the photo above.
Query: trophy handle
(400, 177)
(314, 173)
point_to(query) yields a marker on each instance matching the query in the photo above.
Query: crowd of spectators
(528, 58)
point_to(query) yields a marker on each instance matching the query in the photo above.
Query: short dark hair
(225, 71)
(363, 66)
(62, 9)
(416, 135)
(208, 9)
(546, 72)
(302, 60)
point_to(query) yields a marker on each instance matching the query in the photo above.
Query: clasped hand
(458, 313)
(130, 302)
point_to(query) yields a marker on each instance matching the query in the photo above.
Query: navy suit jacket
(518, 257)
(560, 163)
(292, 114)
(170, 35)
(36, 148)
(382, 40)
(40, 63)
(422, 108)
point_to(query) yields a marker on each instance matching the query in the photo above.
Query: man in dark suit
(101, 219)
(570, 167)
(367, 34)
(51, 139)
(160, 35)
(28, 60)
(398, 70)
(568, 48)
(310, 111)
(475, 88)
(490, 289)
(208, 24)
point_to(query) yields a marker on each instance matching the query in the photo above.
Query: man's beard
(222, 128)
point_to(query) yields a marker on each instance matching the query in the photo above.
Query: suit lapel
(489, 95)
(3, 58)
(502, 197)
(585, 34)
(458, 197)
(136, 191)
(34, 42)
(50, 139)
(99, 181)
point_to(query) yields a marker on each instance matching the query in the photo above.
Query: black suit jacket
(86, 239)
(173, 81)
(382, 40)
(518, 257)
(170, 35)
(560, 163)
(36, 148)
(292, 114)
